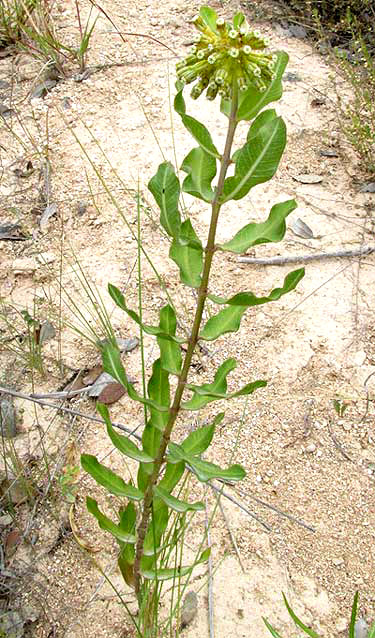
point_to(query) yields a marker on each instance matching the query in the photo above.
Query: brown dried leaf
(92, 374)
(111, 393)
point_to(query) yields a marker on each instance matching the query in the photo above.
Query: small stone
(347, 427)
(311, 448)
(189, 608)
(337, 561)
(8, 419)
(361, 628)
(23, 265)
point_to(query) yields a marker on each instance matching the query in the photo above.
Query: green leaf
(108, 479)
(271, 629)
(209, 17)
(151, 439)
(227, 320)
(209, 392)
(257, 160)
(197, 129)
(173, 473)
(127, 447)
(249, 299)
(199, 440)
(263, 118)
(106, 524)
(218, 385)
(128, 517)
(112, 364)
(156, 528)
(371, 632)
(204, 470)
(299, 622)
(238, 19)
(122, 443)
(253, 101)
(201, 169)
(155, 331)
(188, 258)
(353, 615)
(176, 504)
(272, 230)
(159, 393)
(168, 574)
(170, 351)
(165, 188)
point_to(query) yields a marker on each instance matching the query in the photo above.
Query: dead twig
(337, 444)
(296, 259)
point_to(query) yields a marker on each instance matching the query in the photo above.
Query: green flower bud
(223, 55)
(242, 84)
(212, 91)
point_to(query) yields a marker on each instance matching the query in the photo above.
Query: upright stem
(193, 339)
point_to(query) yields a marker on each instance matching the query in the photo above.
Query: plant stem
(193, 339)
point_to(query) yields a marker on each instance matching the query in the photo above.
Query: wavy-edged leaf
(272, 230)
(204, 470)
(155, 331)
(253, 101)
(108, 479)
(249, 299)
(106, 524)
(159, 393)
(229, 319)
(219, 384)
(173, 473)
(199, 440)
(176, 504)
(198, 130)
(168, 574)
(217, 390)
(170, 351)
(189, 258)
(122, 443)
(165, 188)
(201, 169)
(299, 622)
(257, 160)
(112, 364)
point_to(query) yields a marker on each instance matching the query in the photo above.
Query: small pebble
(311, 448)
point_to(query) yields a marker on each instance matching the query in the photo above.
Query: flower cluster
(223, 54)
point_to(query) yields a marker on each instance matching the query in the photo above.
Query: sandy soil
(314, 346)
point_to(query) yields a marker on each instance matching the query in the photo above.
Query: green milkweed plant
(233, 62)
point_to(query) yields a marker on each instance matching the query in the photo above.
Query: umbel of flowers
(224, 51)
